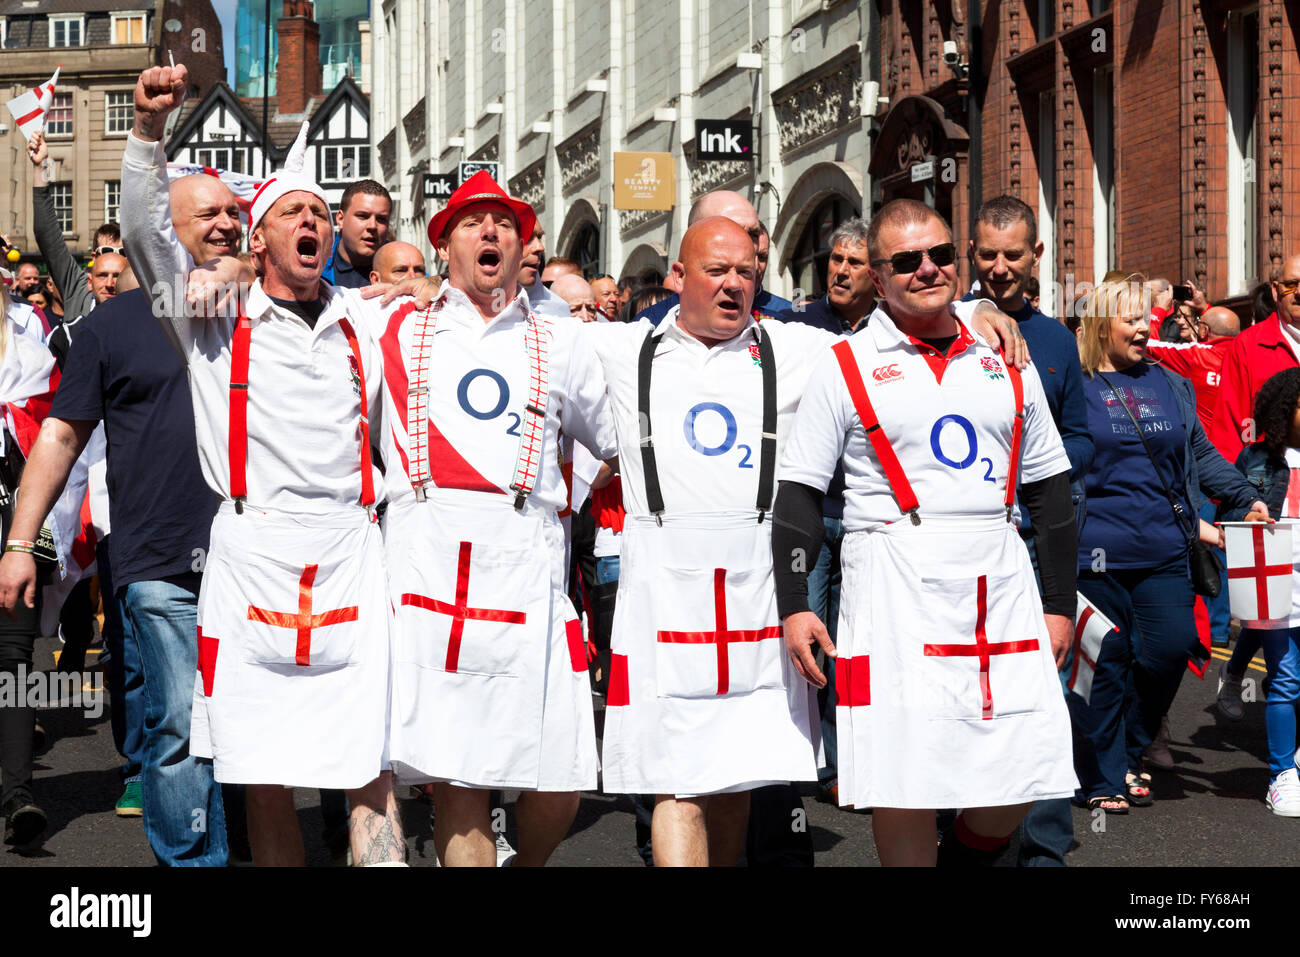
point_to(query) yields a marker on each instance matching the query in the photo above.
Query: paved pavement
(1209, 812)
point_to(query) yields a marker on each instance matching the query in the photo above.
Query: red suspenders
(884, 450)
(237, 447)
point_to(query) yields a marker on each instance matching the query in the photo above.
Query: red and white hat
(479, 188)
(290, 179)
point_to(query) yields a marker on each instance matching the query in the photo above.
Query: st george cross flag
(244, 187)
(1259, 569)
(1090, 629)
(29, 109)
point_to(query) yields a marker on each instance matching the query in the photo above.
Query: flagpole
(266, 84)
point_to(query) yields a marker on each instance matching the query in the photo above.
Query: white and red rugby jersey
(950, 424)
(479, 382)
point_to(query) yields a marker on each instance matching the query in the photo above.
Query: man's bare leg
(273, 831)
(462, 827)
(375, 831)
(544, 819)
(725, 817)
(905, 837)
(995, 822)
(678, 833)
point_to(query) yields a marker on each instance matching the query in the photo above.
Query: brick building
(1150, 136)
(102, 46)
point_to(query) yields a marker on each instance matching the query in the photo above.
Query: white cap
(288, 180)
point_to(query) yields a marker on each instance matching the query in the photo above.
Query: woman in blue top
(1133, 551)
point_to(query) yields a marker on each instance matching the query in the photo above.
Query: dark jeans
(125, 679)
(1138, 670)
(824, 601)
(17, 639)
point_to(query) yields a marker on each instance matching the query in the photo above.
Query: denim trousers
(824, 602)
(125, 681)
(1282, 655)
(1138, 670)
(183, 815)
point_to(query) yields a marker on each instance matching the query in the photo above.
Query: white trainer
(505, 853)
(1284, 794)
(1229, 700)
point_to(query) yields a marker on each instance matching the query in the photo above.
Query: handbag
(1203, 564)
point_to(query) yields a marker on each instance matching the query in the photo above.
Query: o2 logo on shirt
(972, 448)
(729, 440)
(492, 412)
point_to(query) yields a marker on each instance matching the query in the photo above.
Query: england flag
(30, 108)
(1090, 628)
(1260, 560)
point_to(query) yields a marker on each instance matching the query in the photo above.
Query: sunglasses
(104, 250)
(909, 260)
(1288, 286)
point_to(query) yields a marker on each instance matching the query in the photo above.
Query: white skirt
(490, 686)
(948, 695)
(702, 694)
(293, 649)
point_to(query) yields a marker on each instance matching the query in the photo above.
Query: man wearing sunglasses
(1263, 349)
(944, 650)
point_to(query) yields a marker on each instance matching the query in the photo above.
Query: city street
(1209, 812)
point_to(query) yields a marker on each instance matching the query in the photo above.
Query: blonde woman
(1144, 494)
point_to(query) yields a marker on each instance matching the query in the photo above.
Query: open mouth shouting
(729, 307)
(489, 261)
(308, 251)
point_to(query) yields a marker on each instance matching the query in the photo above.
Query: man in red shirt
(1201, 359)
(1263, 349)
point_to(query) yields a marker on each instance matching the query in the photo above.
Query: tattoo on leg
(381, 838)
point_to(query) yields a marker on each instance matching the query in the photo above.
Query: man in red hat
(490, 685)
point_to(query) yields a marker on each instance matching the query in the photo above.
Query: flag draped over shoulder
(244, 187)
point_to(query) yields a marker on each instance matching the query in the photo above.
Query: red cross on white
(305, 621)
(460, 611)
(28, 109)
(983, 649)
(1259, 569)
(1090, 629)
(721, 636)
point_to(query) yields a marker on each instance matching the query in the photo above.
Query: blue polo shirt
(340, 272)
(122, 370)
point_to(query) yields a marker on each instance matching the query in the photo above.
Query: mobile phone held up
(1183, 294)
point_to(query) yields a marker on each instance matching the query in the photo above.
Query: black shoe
(24, 821)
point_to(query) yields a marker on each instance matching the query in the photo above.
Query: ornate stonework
(634, 220)
(716, 174)
(819, 107)
(413, 124)
(579, 157)
(1200, 162)
(530, 185)
(387, 150)
(1068, 171)
(1274, 110)
(488, 152)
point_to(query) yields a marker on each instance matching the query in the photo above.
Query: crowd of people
(387, 531)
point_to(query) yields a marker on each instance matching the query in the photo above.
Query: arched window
(812, 251)
(585, 248)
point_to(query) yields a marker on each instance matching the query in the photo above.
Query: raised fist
(158, 91)
(36, 149)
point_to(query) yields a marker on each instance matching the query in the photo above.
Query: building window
(1243, 154)
(345, 163)
(1103, 173)
(118, 113)
(61, 193)
(230, 160)
(585, 248)
(112, 201)
(129, 27)
(67, 31)
(812, 253)
(58, 121)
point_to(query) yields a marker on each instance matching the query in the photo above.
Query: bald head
(577, 292)
(1221, 321)
(104, 273)
(395, 262)
(725, 202)
(205, 217)
(718, 272)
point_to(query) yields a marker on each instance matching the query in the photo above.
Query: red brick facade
(1169, 129)
(298, 70)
